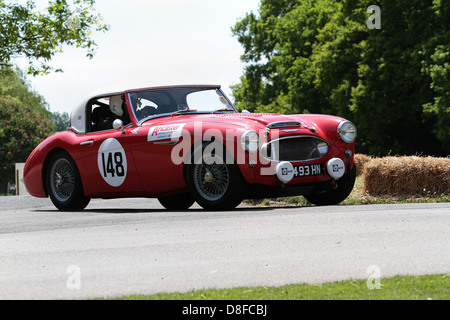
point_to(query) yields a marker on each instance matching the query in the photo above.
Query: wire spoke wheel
(62, 180)
(64, 183)
(211, 181)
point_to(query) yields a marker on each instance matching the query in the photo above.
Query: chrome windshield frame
(170, 114)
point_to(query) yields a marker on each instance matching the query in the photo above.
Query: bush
(22, 128)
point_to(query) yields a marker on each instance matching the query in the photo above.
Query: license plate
(307, 170)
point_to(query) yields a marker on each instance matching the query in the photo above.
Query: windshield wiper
(182, 111)
(223, 110)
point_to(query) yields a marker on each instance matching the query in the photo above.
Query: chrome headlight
(347, 131)
(250, 141)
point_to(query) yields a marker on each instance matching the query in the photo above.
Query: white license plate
(308, 170)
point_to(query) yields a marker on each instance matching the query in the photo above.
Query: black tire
(64, 184)
(335, 195)
(178, 202)
(216, 186)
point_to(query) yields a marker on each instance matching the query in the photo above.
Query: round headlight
(250, 141)
(347, 131)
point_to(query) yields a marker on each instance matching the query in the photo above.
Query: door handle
(86, 143)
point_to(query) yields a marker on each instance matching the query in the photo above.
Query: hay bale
(407, 177)
(360, 161)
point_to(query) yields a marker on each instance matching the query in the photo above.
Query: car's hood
(247, 120)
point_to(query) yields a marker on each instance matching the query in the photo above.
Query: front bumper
(335, 165)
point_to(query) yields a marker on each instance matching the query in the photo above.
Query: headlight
(347, 131)
(250, 141)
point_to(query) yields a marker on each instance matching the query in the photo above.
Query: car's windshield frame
(175, 102)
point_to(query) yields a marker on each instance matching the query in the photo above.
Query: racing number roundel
(112, 162)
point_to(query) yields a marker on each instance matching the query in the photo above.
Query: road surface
(133, 246)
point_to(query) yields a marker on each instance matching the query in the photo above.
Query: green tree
(22, 128)
(61, 120)
(39, 35)
(13, 83)
(24, 122)
(320, 57)
(437, 67)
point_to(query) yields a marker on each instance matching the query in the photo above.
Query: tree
(24, 122)
(13, 83)
(38, 36)
(320, 57)
(437, 67)
(22, 128)
(61, 120)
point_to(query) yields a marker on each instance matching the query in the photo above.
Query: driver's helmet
(115, 104)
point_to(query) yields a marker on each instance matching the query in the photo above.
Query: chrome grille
(302, 148)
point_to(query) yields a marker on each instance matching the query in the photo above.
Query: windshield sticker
(170, 131)
(112, 162)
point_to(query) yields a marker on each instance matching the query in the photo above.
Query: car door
(108, 163)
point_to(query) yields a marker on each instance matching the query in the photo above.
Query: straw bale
(412, 176)
(360, 161)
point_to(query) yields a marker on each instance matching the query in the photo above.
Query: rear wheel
(179, 202)
(214, 184)
(64, 184)
(336, 195)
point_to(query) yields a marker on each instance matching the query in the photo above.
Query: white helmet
(115, 104)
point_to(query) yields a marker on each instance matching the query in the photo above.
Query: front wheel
(215, 185)
(64, 184)
(336, 195)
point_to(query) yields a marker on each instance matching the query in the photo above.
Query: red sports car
(186, 144)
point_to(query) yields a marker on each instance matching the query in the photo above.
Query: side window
(101, 117)
(103, 111)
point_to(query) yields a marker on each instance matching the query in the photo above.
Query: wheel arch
(198, 146)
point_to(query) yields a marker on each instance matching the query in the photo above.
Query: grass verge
(356, 197)
(425, 287)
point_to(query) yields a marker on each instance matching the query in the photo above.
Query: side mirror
(245, 111)
(118, 124)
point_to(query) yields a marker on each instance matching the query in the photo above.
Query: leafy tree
(13, 83)
(320, 57)
(61, 120)
(38, 36)
(24, 122)
(22, 128)
(438, 68)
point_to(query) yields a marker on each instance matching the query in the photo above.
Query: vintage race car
(187, 143)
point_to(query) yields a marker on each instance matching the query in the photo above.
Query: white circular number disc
(112, 162)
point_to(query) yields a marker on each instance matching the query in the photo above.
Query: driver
(118, 107)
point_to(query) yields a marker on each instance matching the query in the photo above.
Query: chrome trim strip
(85, 143)
(168, 143)
(282, 124)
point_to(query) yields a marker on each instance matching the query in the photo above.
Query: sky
(151, 42)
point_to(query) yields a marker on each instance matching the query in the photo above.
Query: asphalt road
(133, 246)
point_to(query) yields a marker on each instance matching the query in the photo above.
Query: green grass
(434, 287)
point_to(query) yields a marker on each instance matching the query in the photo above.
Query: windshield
(162, 102)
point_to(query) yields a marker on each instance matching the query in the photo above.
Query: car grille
(295, 149)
